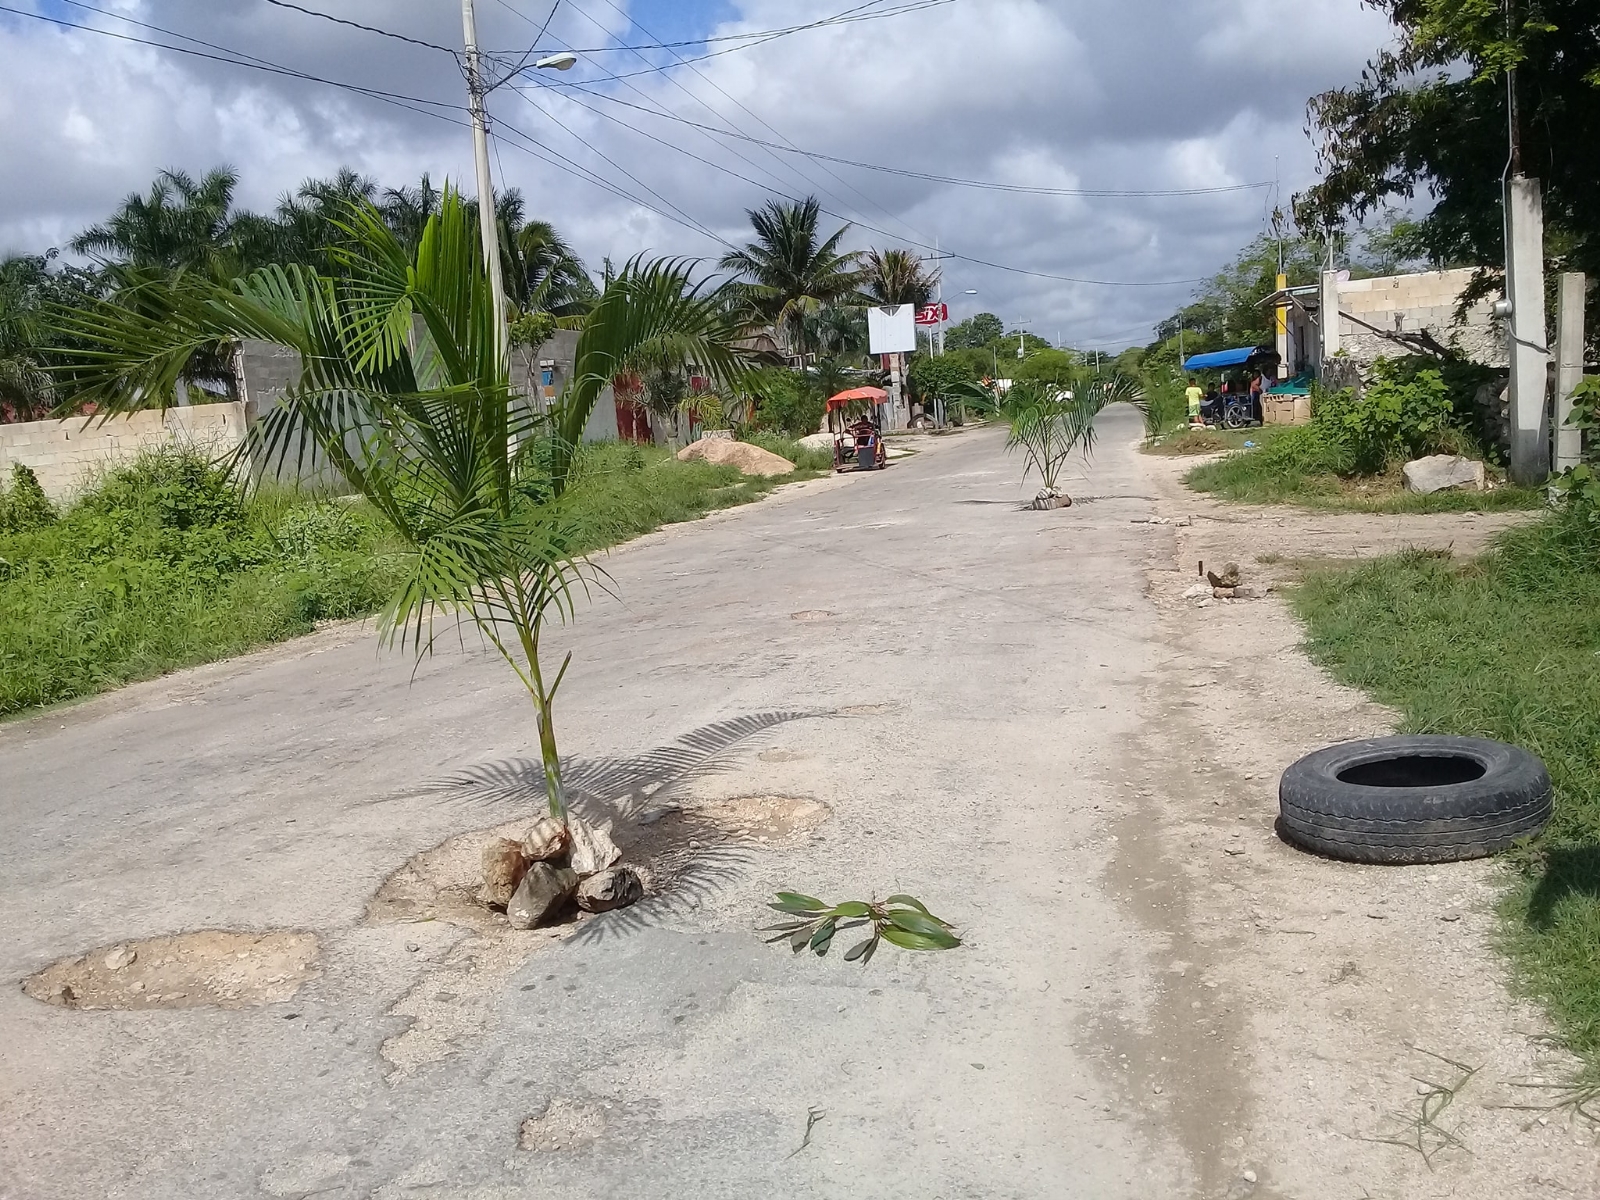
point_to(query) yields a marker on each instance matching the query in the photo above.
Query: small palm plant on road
(404, 389)
(1049, 424)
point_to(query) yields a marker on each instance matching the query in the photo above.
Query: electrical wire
(763, 34)
(388, 33)
(883, 232)
(235, 58)
(859, 10)
(925, 176)
(532, 46)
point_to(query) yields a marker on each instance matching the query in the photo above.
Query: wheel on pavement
(1413, 799)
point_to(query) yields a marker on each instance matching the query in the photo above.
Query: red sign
(933, 314)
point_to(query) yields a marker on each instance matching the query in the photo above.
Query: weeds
(164, 563)
(1422, 1131)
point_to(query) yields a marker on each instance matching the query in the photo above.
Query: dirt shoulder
(1386, 1055)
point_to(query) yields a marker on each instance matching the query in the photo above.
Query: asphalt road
(969, 707)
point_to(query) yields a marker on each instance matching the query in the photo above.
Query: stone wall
(67, 455)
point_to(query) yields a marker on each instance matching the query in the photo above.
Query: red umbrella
(875, 395)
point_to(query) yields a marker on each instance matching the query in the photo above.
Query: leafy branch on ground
(900, 920)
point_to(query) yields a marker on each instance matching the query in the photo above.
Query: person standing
(1195, 397)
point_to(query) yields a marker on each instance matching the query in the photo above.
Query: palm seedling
(404, 391)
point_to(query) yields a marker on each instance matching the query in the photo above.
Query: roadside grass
(1506, 647)
(1184, 442)
(163, 564)
(1300, 465)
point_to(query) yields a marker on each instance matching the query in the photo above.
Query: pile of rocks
(535, 879)
(1227, 584)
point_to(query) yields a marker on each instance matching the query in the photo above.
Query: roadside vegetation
(166, 563)
(1349, 456)
(1507, 647)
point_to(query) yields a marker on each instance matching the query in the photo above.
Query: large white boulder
(1442, 472)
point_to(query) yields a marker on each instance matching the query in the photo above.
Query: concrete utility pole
(1530, 355)
(1569, 366)
(488, 220)
(1328, 307)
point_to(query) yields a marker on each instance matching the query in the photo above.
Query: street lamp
(563, 61)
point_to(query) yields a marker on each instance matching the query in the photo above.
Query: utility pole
(488, 221)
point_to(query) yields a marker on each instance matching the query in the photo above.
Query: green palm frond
(403, 390)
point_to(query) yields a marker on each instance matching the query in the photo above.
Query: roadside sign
(892, 329)
(933, 314)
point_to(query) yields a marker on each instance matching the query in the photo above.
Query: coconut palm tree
(899, 277)
(1050, 423)
(789, 270)
(404, 390)
(542, 272)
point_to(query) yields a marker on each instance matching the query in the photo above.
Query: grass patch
(1505, 647)
(164, 564)
(1185, 442)
(1302, 465)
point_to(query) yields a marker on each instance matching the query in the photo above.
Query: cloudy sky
(640, 150)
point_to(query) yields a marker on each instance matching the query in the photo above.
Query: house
(1385, 317)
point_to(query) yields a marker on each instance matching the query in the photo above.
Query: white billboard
(892, 330)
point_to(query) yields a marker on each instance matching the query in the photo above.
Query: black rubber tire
(1440, 822)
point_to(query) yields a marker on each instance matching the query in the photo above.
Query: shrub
(785, 403)
(25, 506)
(1397, 416)
(1165, 406)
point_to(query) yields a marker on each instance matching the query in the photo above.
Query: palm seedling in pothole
(1050, 424)
(900, 920)
(404, 390)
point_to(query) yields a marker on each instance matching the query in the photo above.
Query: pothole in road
(564, 1125)
(681, 851)
(214, 968)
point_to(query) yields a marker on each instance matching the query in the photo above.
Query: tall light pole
(488, 220)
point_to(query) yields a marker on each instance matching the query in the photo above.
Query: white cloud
(1129, 94)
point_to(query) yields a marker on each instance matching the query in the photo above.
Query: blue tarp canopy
(1220, 358)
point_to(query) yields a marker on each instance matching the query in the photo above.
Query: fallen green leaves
(900, 920)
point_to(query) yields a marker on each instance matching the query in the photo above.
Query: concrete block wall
(1412, 303)
(67, 455)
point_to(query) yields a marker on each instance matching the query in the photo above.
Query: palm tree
(182, 225)
(25, 386)
(307, 225)
(787, 272)
(404, 390)
(899, 277)
(542, 272)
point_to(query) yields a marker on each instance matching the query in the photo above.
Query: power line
(754, 34)
(858, 10)
(532, 46)
(237, 58)
(388, 33)
(883, 232)
(926, 176)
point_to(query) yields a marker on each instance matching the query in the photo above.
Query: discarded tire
(1413, 799)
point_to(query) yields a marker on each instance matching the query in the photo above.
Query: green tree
(791, 270)
(403, 388)
(975, 333)
(1063, 368)
(898, 277)
(1430, 116)
(183, 224)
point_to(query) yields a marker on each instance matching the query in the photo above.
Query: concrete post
(1328, 317)
(1530, 355)
(1569, 366)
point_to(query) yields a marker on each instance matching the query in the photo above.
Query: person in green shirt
(1194, 395)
